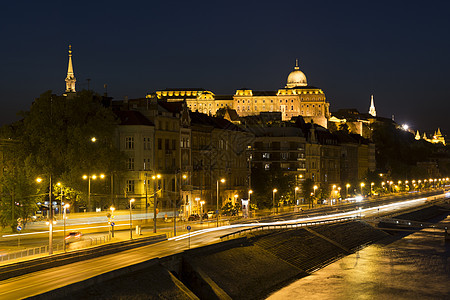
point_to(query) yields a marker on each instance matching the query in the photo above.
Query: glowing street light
(371, 187)
(131, 218)
(88, 178)
(155, 198)
(362, 184)
(273, 199)
(112, 208)
(295, 194)
(50, 222)
(315, 188)
(217, 203)
(347, 186)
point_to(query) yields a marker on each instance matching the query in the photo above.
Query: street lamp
(250, 192)
(347, 186)
(112, 208)
(64, 217)
(217, 204)
(131, 218)
(273, 199)
(60, 200)
(50, 215)
(88, 178)
(295, 194)
(371, 187)
(362, 185)
(155, 198)
(315, 188)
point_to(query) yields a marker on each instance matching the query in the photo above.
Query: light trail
(355, 212)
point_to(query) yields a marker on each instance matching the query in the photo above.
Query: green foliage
(398, 151)
(308, 190)
(220, 113)
(263, 183)
(54, 139)
(231, 210)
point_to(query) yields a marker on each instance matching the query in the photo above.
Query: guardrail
(56, 247)
(286, 226)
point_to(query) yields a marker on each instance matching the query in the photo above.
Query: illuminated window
(267, 167)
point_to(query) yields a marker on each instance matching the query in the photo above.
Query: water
(414, 267)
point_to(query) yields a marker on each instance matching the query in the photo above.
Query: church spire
(70, 79)
(296, 64)
(372, 110)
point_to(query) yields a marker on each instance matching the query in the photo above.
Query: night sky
(397, 50)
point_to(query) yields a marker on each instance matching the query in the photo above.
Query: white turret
(372, 110)
(70, 79)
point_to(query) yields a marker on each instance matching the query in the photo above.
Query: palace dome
(296, 78)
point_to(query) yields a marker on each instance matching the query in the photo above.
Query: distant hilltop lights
(296, 98)
(435, 139)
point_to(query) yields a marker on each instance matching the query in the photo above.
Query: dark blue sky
(397, 50)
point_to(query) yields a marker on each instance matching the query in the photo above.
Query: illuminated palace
(296, 98)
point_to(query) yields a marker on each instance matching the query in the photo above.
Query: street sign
(19, 228)
(112, 224)
(217, 212)
(188, 227)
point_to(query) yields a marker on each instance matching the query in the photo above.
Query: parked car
(73, 236)
(211, 214)
(194, 217)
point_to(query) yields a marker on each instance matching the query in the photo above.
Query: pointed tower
(372, 110)
(417, 135)
(70, 79)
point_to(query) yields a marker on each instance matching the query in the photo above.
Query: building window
(147, 143)
(159, 144)
(129, 142)
(292, 107)
(266, 155)
(130, 186)
(267, 167)
(130, 163)
(146, 163)
(284, 155)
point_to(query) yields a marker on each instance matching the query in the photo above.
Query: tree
(220, 113)
(308, 190)
(54, 140)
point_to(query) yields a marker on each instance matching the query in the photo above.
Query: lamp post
(64, 217)
(155, 195)
(201, 209)
(371, 188)
(112, 208)
(250, 192)
(88, 178)
(198, 210)
(295, 195)
(50, 215)
(362, 184)
(347, 186)
(273, 200)
(131, 218)
(217, 204)
(61, 195)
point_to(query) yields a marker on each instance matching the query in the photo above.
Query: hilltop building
(296, 98)
(437, 137)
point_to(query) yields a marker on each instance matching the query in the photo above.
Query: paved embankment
(245, 268)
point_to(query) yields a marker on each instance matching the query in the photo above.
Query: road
(39, 282)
